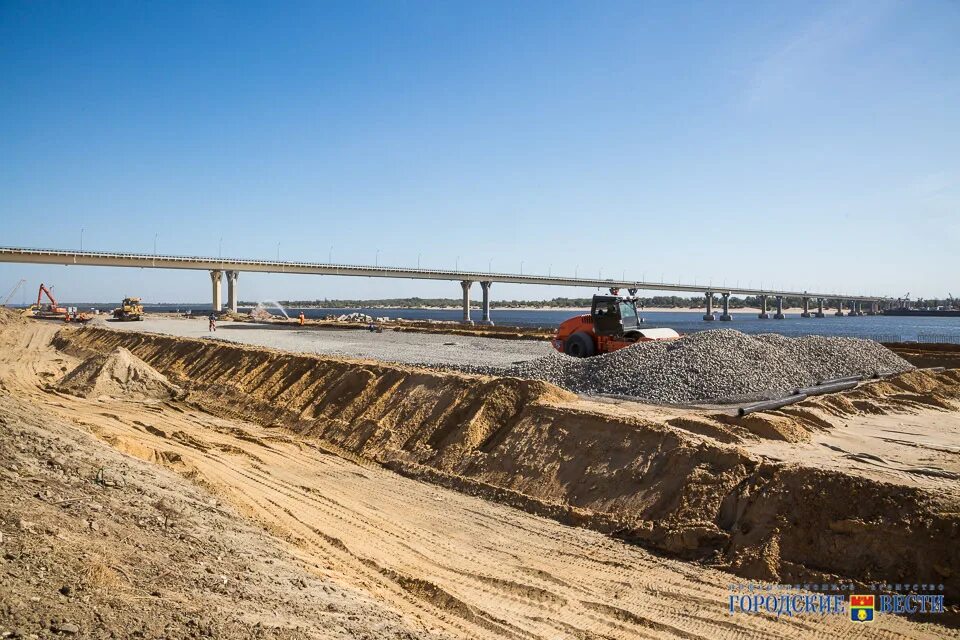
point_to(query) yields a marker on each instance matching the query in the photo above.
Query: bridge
(231, 268)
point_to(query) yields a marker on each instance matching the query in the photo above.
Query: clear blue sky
(807, 144)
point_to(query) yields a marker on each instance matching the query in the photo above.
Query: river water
(882, 328)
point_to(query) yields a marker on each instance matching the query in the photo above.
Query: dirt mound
(119, 374)
(11, 317)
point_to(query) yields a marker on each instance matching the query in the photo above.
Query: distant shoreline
(199, 306)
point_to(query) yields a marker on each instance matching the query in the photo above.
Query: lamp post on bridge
(81, 238)
(155, 236)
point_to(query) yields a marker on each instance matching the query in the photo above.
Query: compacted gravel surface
(389, 346)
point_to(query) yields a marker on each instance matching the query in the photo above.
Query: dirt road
(430, 559)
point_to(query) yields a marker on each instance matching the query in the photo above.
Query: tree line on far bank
(668, 302)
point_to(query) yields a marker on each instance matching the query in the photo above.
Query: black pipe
(821, 383)
(770, 404)
(821, 389)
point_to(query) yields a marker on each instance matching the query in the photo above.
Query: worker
(213, 322)
(301, 318)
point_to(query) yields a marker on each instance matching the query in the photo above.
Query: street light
(220, 248)
(330, 255)
(155, 236)
(81, 238)
(457, 264)
(278, 252)
(418, 261)
(490, 265)
(376, 259)
(521, 267)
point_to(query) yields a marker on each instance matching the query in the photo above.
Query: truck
(613, 323)
(129, 310)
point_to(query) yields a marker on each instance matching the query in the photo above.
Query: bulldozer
(613, 323)
(129, 310)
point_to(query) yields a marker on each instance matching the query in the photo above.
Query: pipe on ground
(821, 389)
(821, 383)
(767, 405)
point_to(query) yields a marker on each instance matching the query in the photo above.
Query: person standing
(301, 318)
(213, 322)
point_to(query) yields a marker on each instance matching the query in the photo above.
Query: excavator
(613, 324)
(52, 310)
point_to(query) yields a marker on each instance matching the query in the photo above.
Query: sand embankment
(537, 447)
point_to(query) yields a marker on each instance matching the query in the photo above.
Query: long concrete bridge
(231, 268)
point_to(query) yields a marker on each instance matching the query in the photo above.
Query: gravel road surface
(389, 346)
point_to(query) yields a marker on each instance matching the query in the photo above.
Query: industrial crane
(12, 293)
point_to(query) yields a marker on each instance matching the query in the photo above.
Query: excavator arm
(44, 290)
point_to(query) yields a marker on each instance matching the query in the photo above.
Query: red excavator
(53, 311)
(613, 324)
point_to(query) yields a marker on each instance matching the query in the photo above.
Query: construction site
(164, 481)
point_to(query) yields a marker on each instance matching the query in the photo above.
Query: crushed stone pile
(716, 366)
(118, 374)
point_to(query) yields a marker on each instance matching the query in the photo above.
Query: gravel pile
(710, 366)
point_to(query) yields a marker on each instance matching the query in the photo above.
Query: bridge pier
(465, 285)
(779, 314)
(763, 308)
(708, 316)
(806, 308)
(215, 277)
(485, 287)
(725, 316)
(854, 310)
(839, 308)
(820, 313)
(232, 291)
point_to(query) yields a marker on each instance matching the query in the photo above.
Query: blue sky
(805, 145)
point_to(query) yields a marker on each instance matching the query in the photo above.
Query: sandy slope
(440, 559)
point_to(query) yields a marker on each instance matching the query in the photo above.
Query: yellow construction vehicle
(129, 309)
